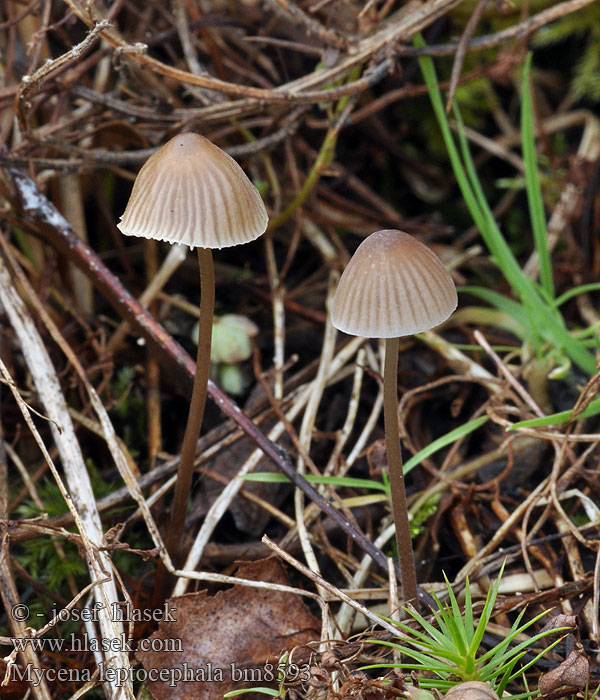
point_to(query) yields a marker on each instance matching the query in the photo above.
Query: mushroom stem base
(396, 475)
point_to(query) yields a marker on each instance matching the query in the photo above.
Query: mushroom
(190, 191)
(394, 286)
(471, 690)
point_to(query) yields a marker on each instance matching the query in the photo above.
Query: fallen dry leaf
(230, 640)
(573, 672)
(556, 622)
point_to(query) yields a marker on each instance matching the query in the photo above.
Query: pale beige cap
(394, 285)
(192, 192)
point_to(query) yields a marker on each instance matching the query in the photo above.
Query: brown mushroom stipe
(190, 191)
(394, 286)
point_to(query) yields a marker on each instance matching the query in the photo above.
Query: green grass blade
(430, 636)
(580, 289)
(533, 187)
(455, 621)
(441, 619)
(541, 317)
(539, 314)
(433, 635)
(490, 233)
(469, 626)
(557, 334)
(501, 657)
(430, 657)
(444, 440)
(486, 613)
(499, 652)
(439, 670)
(557, 418)
(501, 686)
(442, 686)
(501, 302)
(428, 71)
(523, 646)
(347, 481)
(535, 659)
(420, 639)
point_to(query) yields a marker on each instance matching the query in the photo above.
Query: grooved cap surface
(192, 192)
(394, 285)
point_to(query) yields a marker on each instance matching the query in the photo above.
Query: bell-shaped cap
(394, 285)
(192, 192)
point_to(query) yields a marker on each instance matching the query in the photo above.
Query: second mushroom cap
(393, 286)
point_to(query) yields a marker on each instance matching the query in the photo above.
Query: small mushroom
(192, 192)
(231, 345)
(232, 336)
(394, 286)
(471, 690)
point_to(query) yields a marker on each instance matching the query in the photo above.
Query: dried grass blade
(80, 497)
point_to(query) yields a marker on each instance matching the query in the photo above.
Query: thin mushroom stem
(196, 413)
(396, 475)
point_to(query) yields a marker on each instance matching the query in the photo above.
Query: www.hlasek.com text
(78, 643)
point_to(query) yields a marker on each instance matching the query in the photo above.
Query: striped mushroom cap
(192, 192)
(393, 286)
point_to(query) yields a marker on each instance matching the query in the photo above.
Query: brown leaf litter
(234, 636)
